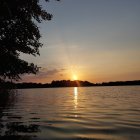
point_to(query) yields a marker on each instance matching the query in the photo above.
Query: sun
(75, 77)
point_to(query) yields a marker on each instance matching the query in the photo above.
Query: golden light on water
(75, 97)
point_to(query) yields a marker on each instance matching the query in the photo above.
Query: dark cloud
(47, 73)
(52, 72)
(61, 74)
(44, 73)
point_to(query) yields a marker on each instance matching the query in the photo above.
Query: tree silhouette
(19, 33)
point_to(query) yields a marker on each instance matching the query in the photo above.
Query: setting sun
(75, 77)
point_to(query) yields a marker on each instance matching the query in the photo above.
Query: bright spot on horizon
(75, 77)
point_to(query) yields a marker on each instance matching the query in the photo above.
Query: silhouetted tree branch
(19, 33)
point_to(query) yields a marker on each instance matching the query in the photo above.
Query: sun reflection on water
(75, 97)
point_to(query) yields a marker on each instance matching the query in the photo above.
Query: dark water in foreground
(91, 113)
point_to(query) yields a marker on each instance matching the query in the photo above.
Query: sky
(93, 40)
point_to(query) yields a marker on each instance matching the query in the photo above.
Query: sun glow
(75, 77)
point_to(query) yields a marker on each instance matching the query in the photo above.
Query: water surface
(85, 113)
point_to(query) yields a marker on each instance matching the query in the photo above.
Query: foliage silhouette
(67, 83)
(19, 33)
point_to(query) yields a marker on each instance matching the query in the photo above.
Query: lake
(83, 113)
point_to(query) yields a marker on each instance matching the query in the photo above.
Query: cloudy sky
(95, 40)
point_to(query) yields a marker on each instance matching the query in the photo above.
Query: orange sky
(94, 40)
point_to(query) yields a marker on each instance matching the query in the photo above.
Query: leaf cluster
(19, 33)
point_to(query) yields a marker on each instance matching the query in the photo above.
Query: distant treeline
(66, 83)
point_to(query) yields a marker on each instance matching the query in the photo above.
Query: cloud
(49, 72)
(43, 74)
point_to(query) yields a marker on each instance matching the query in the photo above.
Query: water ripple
(96, 113)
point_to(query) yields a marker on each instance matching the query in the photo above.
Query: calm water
(91, 113)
